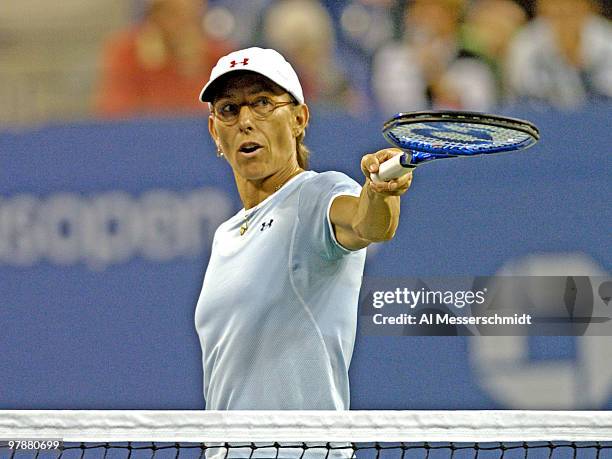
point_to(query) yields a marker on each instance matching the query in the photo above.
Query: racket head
(455, 133)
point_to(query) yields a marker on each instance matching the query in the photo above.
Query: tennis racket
(428, 136)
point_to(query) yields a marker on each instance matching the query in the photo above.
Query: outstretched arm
(374, 215)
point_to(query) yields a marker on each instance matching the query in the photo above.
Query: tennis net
(305, 434)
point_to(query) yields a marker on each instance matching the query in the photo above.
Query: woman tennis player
(277, 313)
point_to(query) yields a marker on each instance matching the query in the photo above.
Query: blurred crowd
(131, 58)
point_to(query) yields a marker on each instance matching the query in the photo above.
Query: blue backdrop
(105, 231)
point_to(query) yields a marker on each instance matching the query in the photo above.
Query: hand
(370, 164)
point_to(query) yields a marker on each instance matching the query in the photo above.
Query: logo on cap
(244, 61)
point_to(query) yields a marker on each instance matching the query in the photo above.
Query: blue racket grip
(393, 168)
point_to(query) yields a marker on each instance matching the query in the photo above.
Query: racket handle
(393, 168)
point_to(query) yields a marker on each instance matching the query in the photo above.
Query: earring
(219, 152)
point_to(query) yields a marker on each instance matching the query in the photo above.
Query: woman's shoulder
(320, 179)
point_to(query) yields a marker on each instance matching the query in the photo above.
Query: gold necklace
(245, 224)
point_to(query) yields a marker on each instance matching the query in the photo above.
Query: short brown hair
(303, 153)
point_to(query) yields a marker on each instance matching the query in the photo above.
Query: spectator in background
(564, 56)
(490, 26)
(417, 73)
(303, 31)
(158, 66)
(365, 25)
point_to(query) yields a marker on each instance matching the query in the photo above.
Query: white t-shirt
(277, 313)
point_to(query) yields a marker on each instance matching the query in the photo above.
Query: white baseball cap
(266, 62)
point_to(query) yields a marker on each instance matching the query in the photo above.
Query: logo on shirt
(265, 225)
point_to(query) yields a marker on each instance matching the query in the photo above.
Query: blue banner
(105, 231)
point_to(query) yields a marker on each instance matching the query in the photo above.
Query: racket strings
(463, 138)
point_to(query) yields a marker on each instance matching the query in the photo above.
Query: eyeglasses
(261, 108)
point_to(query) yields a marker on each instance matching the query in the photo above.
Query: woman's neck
(252, 192)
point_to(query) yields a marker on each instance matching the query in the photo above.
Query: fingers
(395, 187)
(370, 163)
